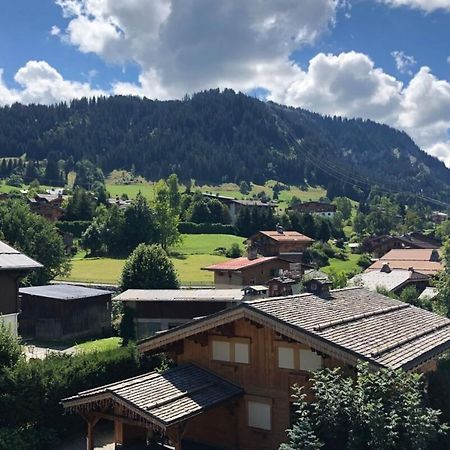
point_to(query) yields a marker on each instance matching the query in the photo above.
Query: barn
(61, 312)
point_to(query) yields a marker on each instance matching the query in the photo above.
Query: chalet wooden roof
(163, 399)
(12, 259)
(351, 324)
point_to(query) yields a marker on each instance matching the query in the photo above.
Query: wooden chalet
(274, 243)
(378, 246)
(64, 311)
(13, 266)
(244, 271)
(156, 310)
(424, 261)
(327, 210)
(48, 206)
(231, 386)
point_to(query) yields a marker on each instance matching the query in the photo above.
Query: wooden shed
(60, 312)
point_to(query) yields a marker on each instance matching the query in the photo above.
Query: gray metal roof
(63, 291)
(163, 398)
(194, 295)
(12, 259)
(355, 323)
(389, 280)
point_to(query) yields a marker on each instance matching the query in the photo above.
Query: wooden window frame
(232, 341)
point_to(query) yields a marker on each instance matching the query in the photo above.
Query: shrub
(206, 228)
(234, 251)
(364, 261)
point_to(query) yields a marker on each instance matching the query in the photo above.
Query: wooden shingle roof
(163, 399)
(352, 324)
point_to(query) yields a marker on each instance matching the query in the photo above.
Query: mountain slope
(219, 137)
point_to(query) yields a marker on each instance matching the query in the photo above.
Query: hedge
(206, 228)
(76, 227)
(30, 393)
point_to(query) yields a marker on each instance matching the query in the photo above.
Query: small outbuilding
(63, 311)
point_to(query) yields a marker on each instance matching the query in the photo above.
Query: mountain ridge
(225, 136)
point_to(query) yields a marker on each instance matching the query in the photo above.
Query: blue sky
(388, 60)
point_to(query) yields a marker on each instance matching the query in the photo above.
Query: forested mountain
(223, 136)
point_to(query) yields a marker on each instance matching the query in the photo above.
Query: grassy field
(227, 189)
(195, 252)
(99, 345)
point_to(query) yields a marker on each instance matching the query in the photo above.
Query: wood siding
(258, 274)
(9, 297)
(47, 318)
(261, 379)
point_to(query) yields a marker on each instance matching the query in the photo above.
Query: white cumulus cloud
(424, 5)
(41, 83)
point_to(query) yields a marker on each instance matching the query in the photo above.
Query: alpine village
(223, 270)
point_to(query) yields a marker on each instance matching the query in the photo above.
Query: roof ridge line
(408, 339)
(270, 299)
(356, 317)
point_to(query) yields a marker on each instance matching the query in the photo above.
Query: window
(241, 353)
(235, 350)
(310, 361)
(221, 350)
(286, 358)
(293, 358)
(259, 415)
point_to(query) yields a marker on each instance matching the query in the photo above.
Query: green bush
(76, 227)
(206, 228)
(234, 251)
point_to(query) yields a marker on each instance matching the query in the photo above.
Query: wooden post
(118, 431)
(91, 422)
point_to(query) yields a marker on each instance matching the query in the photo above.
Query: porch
(155, 410)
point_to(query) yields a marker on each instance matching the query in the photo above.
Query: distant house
(321, 209)
(13, 266)
(120, 203)
(380, 245)
(48, 206)
(59, 312)
(231, 386)
(240, 272)
(439, 216)
(278, 242)
(424, 261)
(393, 280)
(157, 310)
(235, 206)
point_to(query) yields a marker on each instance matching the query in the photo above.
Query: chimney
(386, 268)
(280, 229)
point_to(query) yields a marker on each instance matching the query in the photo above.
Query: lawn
(196, 244)
(195, 252)
(338, 265)
(99, 345)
